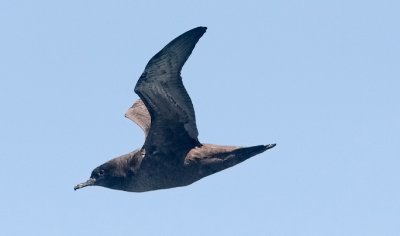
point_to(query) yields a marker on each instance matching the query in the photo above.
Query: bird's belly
(163, 179)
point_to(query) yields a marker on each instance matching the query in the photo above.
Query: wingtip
(201, 29)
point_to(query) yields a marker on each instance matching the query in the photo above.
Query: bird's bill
(89, 182)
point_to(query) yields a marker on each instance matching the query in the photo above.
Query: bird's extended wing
(173, 129)
(139, 114)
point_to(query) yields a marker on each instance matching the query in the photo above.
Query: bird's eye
(101, 172)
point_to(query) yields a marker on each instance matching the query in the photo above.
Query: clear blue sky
(319, 78)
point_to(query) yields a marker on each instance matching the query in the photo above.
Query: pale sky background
(319, 78)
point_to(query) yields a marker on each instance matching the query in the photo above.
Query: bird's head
(110, 175)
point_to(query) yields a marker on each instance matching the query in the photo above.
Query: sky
(319, 78)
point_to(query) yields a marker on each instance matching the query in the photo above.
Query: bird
(172, 155)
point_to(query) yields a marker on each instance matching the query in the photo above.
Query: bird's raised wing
(139, 114)
(173, 129)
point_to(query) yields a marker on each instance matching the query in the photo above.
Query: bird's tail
(241, 154)
(227, 157)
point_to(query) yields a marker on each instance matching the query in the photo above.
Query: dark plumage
(172, 155)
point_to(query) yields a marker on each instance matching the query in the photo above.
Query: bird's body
(136, 175)
(172, 155)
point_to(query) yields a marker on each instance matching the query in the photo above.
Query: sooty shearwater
(172, 155)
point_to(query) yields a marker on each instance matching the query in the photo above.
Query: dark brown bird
(172, 155)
